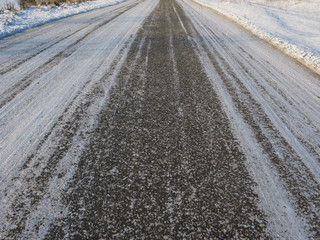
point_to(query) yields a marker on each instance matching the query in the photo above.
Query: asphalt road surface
(156, 120)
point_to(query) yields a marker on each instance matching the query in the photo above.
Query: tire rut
(296, 177)
(255, 71)
(298, 180)
(40, 168)
(39, 48)
(42, 179)
(14, 66)
(12, 92)
(162, 160)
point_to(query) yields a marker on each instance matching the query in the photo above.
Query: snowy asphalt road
(156, 119)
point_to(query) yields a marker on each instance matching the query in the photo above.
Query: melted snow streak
(273, 105)
(56, 87)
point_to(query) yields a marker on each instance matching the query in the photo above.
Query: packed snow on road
(159, 118)
(292, 26)
(12, 22)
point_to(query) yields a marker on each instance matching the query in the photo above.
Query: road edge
(272, 40)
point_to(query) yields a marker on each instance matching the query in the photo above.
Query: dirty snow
(292, 26)
(13, 22)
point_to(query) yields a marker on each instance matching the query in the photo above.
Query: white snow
(13, 22)
(95, 62)
(288, 95)
(4, 3)
(292, 26)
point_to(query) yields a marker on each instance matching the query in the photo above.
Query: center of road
(162, 160)
(158, 120)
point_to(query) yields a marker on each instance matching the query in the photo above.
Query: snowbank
(292, 27)
(4, 3)
(12, 22)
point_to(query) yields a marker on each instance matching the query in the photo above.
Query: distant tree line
(23, 4)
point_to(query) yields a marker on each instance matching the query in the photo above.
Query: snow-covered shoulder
(293, 28)
(12, 22)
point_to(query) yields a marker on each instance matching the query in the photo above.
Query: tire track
(295, 176)
(11, 93)
(11, 109)
(36, 202)
(265, 81)
(65, 228)
(293, 172)
(60, 37)
(304, 188)
(14, 66)
(162, 161)
(44, 165)
(167, 138)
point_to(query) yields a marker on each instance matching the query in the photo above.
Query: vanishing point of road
(156, 119)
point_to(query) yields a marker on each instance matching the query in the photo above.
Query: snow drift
(292, 26)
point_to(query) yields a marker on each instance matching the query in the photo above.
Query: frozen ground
(4, 3)
(11, 22)
(292, 26)
(156, 118)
